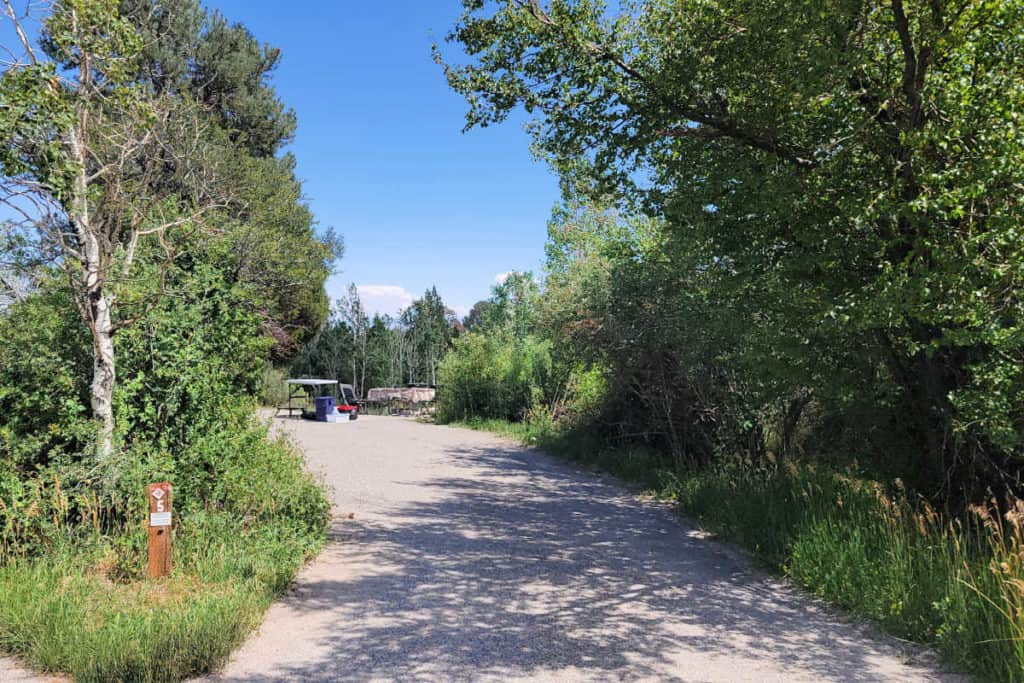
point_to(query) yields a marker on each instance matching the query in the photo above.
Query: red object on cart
(351, 410)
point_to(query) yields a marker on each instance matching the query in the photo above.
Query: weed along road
(470, 558)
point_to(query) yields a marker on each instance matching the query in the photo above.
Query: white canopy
(311, 382)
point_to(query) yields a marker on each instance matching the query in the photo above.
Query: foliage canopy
(839, 183)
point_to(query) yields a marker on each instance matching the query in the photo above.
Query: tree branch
(22, 37)
(914, 65)
(723, 124)
(698, 112)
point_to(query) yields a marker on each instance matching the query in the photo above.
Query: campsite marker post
(159, 496)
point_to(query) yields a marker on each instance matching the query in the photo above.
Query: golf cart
(318, 399)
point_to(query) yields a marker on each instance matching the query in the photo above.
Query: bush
(77, 610)
(493, 376)
(273, 390)
(73, 596)
(191, 359)
(45, 359)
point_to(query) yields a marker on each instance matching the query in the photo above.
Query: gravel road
(470, 558)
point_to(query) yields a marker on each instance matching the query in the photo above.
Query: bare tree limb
(8, 10)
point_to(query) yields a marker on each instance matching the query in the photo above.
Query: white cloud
(501, 277)
(384, 299)
(461, 311)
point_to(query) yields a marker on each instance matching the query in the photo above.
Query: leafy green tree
(849, 168)
(354, 317)
(84, 155)
(430, 328)
(477, 316)
(615, 303)
(354, 349)
(514, 305)
(131, 141)
(328, 355)
(278, 255)
(380, 370)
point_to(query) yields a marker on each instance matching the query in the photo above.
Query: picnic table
(304, 390)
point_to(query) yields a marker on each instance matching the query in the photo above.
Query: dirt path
(11, 671)
(469, 558)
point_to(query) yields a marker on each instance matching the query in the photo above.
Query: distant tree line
(382, 351)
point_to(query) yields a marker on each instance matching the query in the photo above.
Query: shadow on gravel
(528, 567)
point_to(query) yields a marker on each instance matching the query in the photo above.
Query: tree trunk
(97, 310)
(794, 412)
(361, 389)
(103, 374)
(95, 304)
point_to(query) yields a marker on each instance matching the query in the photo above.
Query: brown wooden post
(159, 529)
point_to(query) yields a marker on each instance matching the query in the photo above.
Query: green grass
(955, 584)
(75, 610)
(73, 592)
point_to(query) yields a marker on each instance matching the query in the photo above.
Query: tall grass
(73, 595)
(76, 611)
(956, 583)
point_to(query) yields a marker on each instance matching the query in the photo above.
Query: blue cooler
(324, 407)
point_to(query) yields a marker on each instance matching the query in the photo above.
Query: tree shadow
(526, 567)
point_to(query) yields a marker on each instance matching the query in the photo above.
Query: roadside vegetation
(77, 599)
(783, 288)
(145, 287)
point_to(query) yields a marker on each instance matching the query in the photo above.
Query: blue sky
(382, 156)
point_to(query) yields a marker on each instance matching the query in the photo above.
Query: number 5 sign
(159, 529)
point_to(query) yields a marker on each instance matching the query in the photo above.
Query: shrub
(493, 376)
(45, 361)
(72, 549)
(273, 390)
(957, 583)
(72, 558)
